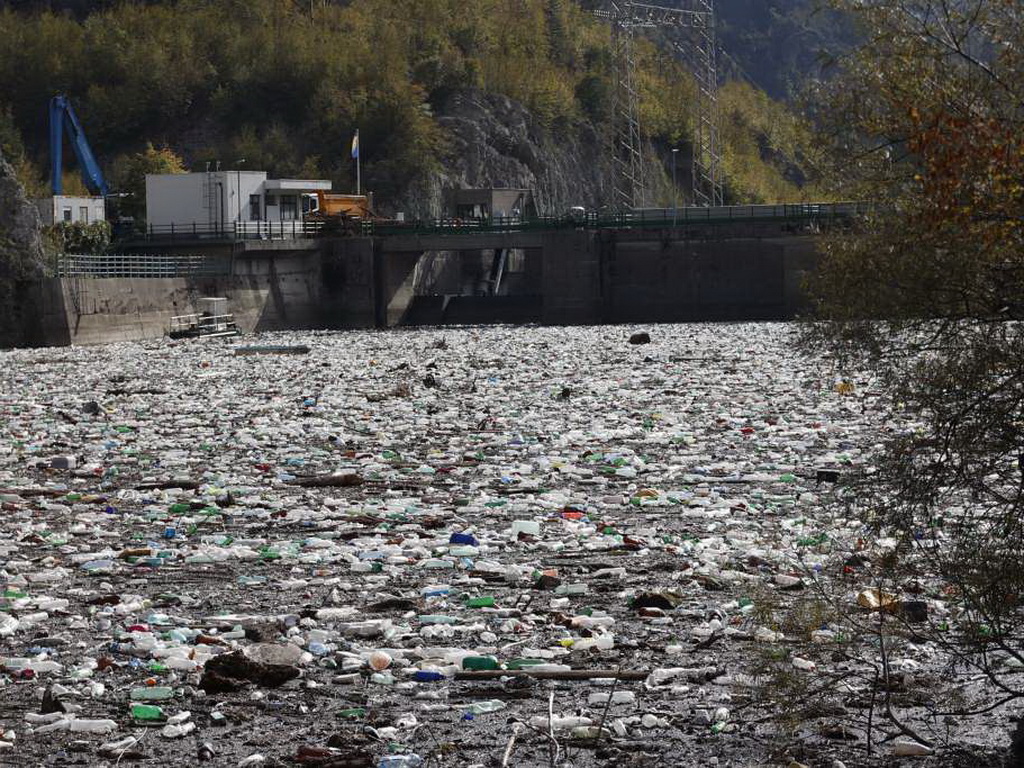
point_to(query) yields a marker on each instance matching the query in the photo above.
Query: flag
(355, 146)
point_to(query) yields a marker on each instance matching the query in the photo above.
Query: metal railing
(145, 265)
(648, 217)
(236, 230)
(200, 325)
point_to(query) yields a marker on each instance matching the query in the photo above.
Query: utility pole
(627, 148)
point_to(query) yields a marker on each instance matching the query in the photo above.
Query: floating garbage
(386, 549)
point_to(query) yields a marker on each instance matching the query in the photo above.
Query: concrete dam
(743, 268)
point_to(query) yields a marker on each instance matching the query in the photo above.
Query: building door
(289, 209)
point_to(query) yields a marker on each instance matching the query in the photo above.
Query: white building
(71, 210)
(242, 202)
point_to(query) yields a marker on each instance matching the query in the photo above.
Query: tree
(130, 176)
(926, 122)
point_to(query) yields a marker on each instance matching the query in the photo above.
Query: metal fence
(645, 217)
(799, 213)
(142, 265)
(237, 230)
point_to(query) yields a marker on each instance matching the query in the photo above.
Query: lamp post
(675, 187)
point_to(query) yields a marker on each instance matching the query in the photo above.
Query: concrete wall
(741, 279)
(394, 287)
(573, 277)
(348, 284)
(269, 291)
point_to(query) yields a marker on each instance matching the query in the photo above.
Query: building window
(83, 214)
(288, 209)
(67, 215)
(254, 208)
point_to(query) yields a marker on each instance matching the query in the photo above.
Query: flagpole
(359, 165)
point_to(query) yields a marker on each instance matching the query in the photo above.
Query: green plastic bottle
(480, 663)
(148, 713)
(524, 663)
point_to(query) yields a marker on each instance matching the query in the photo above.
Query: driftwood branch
(568, 674)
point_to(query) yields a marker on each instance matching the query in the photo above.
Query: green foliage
(594, 94)
(781, 45)
(129, 176)
(284, 89)
(77, 237)
(285, 85)
(769, 152)
(12, 148)
(927, 292)
(11, 145)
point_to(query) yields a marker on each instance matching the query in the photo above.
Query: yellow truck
(338, 211)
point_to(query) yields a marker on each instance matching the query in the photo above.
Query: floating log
(568, 674)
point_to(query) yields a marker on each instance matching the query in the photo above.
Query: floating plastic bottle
(148, 712)
(155, 693)
(479, 663)
(400, 761)
(486, 707)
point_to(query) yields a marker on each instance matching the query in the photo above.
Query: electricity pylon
(627, 148)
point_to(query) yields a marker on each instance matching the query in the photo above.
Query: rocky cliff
(21, 249)
(497, 142)
(21, 252)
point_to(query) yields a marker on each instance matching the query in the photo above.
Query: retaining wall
(569, 277)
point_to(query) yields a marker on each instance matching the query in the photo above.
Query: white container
(530, 527)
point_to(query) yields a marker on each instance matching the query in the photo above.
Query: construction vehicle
(339, 212)
(63, 119)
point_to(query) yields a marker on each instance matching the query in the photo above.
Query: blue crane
(63, 117)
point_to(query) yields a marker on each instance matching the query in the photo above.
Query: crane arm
(63, 118)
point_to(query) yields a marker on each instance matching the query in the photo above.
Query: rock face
(21, 249)
(497, 142)
(21, 253)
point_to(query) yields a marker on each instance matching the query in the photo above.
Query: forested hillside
(283, 84)
(778, 44)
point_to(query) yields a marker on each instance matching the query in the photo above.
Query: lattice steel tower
(700, 53)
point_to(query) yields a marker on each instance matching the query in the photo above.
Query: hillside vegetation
(779, 44)
(284, 84)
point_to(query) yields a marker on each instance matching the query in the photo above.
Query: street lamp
(675, 187)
